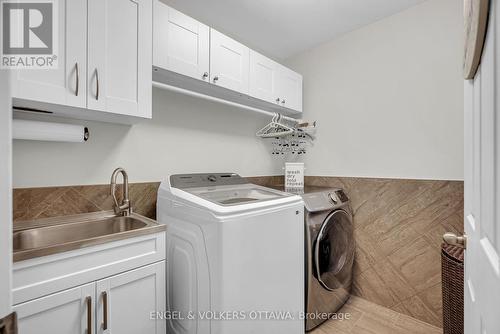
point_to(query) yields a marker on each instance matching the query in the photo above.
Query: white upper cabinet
(263, 77)
(181, 44)
(184, 46)
(105, 60)
(67, 84)
(229, 63)
(120, 56)
(289, 89)
(274, 83)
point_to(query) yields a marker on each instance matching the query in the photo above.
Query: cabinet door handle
(88, 300)
(77, 79)
(283, 101)
(205, 75)
(216, 78)
(97, 84)
(104, 295)
(278, 100)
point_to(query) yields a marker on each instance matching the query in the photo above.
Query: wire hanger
(275, 128)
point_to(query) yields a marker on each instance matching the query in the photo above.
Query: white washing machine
(235, 256)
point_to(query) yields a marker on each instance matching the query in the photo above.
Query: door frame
(482, 187)
(5, 194)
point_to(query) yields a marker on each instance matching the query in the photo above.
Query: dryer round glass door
(334, 251)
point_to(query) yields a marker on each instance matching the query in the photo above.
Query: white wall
(5, 196)
(186, 135)
(389, 97)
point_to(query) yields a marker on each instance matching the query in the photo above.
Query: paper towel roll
(45, 131)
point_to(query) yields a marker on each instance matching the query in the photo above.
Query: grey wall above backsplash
(186, 135)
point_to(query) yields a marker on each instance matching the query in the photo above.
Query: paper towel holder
(47, 131)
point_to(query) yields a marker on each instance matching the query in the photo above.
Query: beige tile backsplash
(398, 229)
(32, 203)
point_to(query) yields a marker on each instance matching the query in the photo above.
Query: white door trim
(5, 194)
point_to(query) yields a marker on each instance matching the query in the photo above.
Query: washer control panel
(184, 181)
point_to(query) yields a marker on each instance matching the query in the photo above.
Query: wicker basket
(452, 263)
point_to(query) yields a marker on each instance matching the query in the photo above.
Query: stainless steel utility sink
(49, 236)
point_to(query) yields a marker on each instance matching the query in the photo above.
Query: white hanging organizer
(290, 135)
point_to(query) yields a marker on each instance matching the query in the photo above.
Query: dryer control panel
(325, 200)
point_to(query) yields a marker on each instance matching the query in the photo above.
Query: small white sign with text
(294, 176)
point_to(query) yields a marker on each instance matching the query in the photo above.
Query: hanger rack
(293, 140)
(289, 136)
(282, 126)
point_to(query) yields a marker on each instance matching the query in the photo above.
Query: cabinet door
(229, 62)
(120, 56)
(263, 77)
(180, 44)
(125, 301)
(66, 84)
(290, 89)
(64, 312)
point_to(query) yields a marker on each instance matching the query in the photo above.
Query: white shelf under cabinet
(214, 92)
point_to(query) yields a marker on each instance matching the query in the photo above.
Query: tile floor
(370, 318)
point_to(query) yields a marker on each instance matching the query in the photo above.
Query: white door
(69, 311)
(120, 56)
(289, 88)
(65, 85)
(125, 301)
(482, 188)
(5, 195)
(181, 44)
(229, 62)
(263, 78)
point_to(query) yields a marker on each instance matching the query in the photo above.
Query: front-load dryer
(235, 256)
(330, 251)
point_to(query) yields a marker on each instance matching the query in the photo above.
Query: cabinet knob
(216, 78)
(278, 100)
(205, 75)
(283, 101)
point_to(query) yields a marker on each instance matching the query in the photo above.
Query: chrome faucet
(123, 209)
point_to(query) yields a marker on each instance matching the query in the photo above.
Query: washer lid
(226, 192)
(237, 194)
